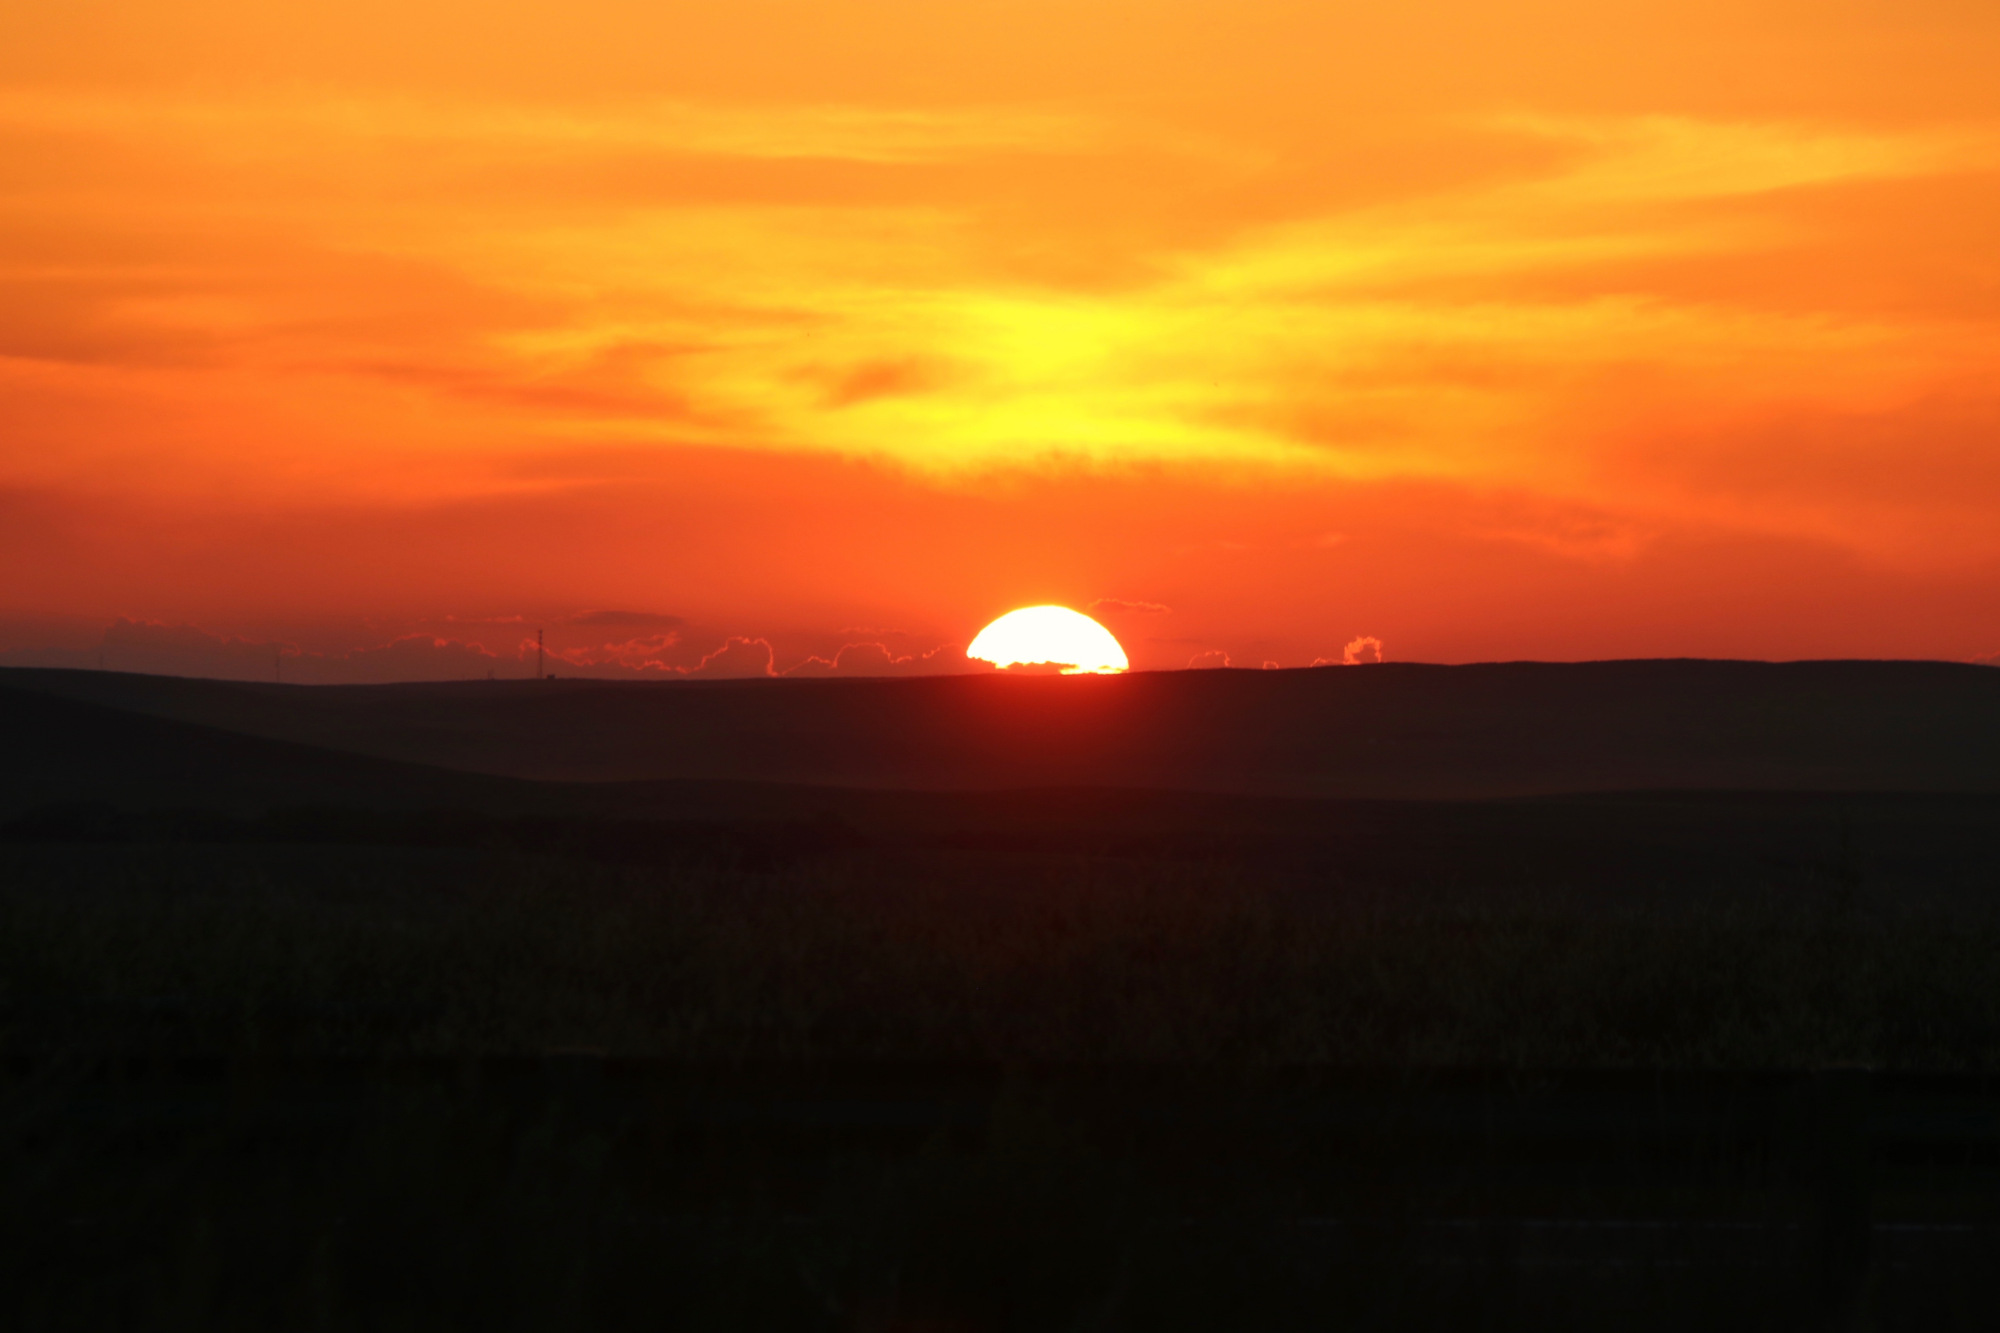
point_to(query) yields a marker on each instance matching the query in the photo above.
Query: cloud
(1578, 536)
(1112, 606)
(157, 648)
(153, 647)
(1208, 660)
(642, 653)
(160, 648)
(1270, 665)
(410, 657)
(1363, 651)
(821, 130)
(49, 655)
(883, 379)
(737, 658)
(1993, 661)
(878, 659)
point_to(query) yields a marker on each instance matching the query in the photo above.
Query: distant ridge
(1394, 730)
(66, 750)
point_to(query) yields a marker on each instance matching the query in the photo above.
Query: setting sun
(1037, 635)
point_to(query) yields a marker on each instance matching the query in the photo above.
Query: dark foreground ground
(574, 1192)
(295, 1038)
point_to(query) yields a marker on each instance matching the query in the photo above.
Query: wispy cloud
(1422, 278)
(276, 124)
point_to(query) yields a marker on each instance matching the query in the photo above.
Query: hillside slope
(1387, 731)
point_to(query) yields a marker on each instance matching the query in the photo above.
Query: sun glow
(1041, 635)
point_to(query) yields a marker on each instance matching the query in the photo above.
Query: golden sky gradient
(1492, 330)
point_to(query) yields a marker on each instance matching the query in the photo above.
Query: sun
(1049, 634)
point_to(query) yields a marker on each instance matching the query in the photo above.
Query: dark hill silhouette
(103, 774)
(66, 751)
(1397, 730)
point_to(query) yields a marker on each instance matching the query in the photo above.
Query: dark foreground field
(297, 1037)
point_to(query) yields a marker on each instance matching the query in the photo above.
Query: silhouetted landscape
(1541, 995)
(1061, 666)
(1398, 730)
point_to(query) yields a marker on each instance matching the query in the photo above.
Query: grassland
(334, 1171)
(395, 1033)
(979, 954)
(1035, 1064)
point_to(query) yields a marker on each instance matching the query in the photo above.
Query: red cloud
(878, 659)
(1363, 651)
(1208, 660)
(1111, 606)
(162, 649)
(737, 658)
(884, 379)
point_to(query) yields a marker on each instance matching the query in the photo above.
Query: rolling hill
(1393, 731)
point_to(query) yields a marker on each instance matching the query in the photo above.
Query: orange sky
(1492, 330)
